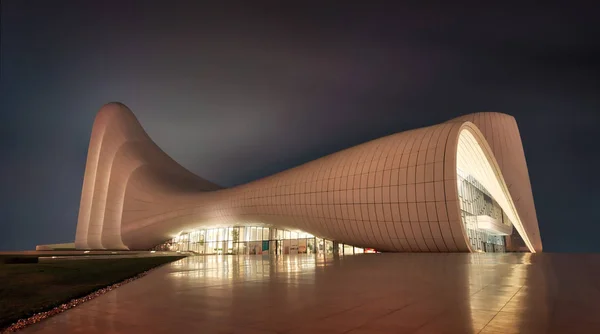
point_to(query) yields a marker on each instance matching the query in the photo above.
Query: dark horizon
(242, 92)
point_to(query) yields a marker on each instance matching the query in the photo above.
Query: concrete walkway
(369, 293)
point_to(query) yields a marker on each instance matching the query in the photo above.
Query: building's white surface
(397, 193)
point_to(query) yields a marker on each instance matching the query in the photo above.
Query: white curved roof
(396, 193)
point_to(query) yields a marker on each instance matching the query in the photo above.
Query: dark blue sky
(236, 91)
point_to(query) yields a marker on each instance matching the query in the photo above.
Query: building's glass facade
(478, 206)
(254, 240)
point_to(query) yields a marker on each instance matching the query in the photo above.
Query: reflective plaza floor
(367, 293)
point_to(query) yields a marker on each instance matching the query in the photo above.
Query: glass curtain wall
(253, 240)
(475, 201)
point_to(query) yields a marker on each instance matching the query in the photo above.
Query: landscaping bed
(30, 288)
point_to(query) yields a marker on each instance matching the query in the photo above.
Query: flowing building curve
(449, 187)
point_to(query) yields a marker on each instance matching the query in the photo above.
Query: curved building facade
(459, 186)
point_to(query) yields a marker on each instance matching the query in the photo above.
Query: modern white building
(459, 186)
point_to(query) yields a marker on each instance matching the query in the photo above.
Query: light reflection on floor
(368, 293)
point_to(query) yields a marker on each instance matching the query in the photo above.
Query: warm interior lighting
(471, 159)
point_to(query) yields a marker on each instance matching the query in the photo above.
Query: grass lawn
(26, 289)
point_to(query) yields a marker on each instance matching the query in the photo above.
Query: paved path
(370, 293)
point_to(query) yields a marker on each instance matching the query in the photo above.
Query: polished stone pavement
(367, 293)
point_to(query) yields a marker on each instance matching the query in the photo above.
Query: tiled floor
(370, 293)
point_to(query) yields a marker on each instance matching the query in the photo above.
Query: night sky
(239, 91)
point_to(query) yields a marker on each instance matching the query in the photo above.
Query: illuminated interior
(255, 240)
(487, 209)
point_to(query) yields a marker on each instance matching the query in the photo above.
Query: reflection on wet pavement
(367, 293)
